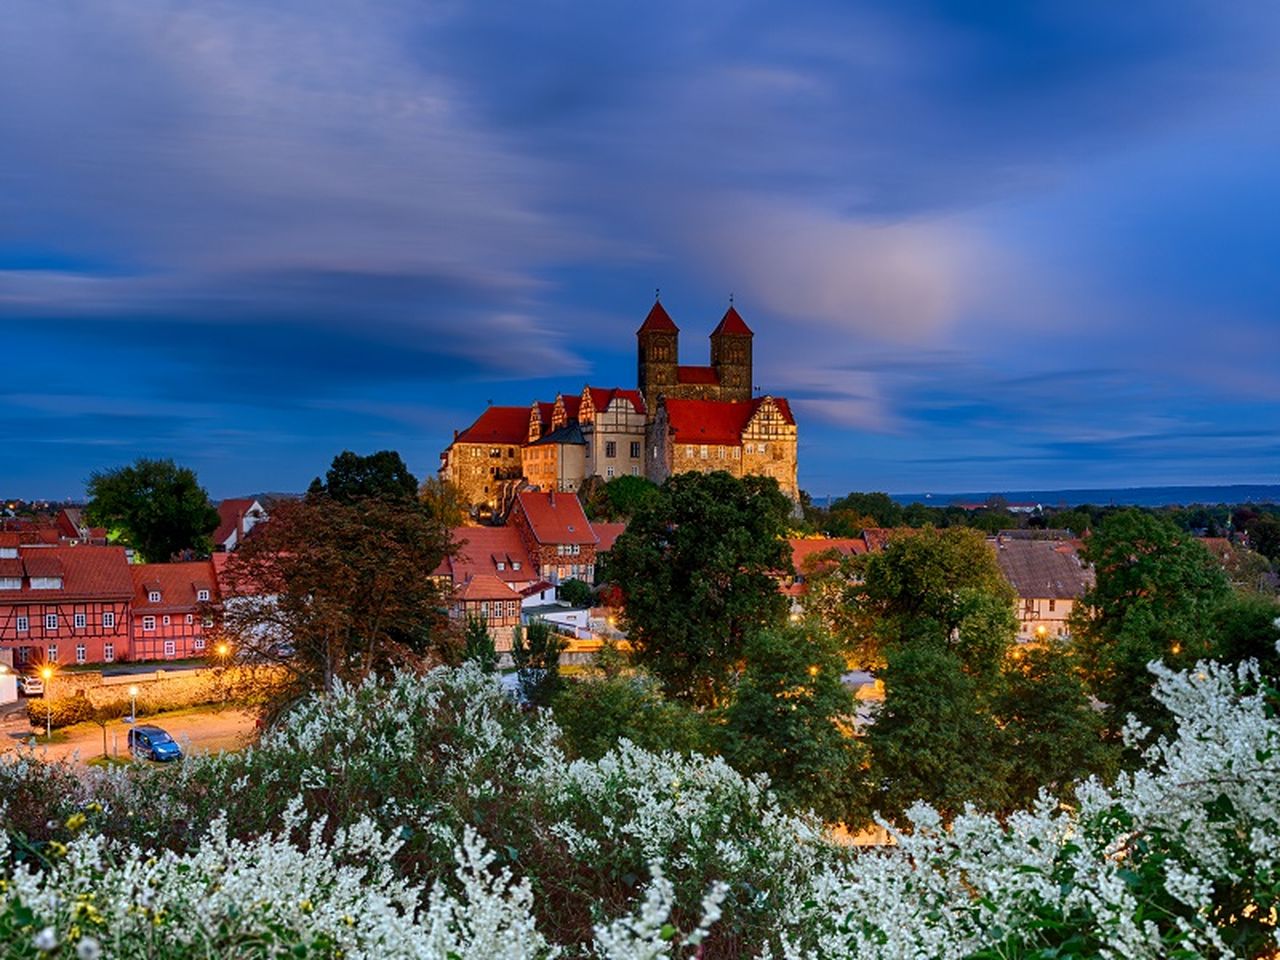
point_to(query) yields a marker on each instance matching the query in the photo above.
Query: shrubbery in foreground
(429, 818)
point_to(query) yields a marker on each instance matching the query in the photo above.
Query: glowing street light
(46, 673)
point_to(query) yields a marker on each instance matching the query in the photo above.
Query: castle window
(688, 452)
(737, 453)
(610, 448)
(635, 449)
(635, 471)
(751, 448)
(702, 451)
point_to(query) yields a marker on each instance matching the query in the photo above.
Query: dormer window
(46, 583)
(515, 564)
(153, 596)
(502, 565)
(202, 595)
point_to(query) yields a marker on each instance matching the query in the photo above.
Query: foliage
(160, 507)
(352, 478)
(618, 499)
(1249, 629)
(792, 719)
(1264, 536)
(444, 502)
(535, 651)
(335, 591)
(1158, 596)
(879, 507)
(576, 593)
(696, 565)
(479, 646)
(55, 712)
(596, 713)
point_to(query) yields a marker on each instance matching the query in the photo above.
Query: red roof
(479, 550)
(572, 404)
(696, 375)
(803, 551)
(178, 584)
(658, 319)
(607, 533)
(498, 425)
(231, 515)
(90, 573)
(601, 397)
(555, 518)
(717, 421)
(8, 539)
(482, 586)
(733, 324)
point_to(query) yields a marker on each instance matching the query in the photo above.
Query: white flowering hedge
(427, 817)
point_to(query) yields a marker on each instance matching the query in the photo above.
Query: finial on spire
(731, 298)
(657, 294)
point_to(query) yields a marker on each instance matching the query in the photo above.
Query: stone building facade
(486, 460)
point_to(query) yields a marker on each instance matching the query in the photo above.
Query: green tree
(351, 477)
(1249, 629)
(1157, 596)
(576, 593)
(1049, 734)
(618, 499)
(792, 718)
(478, 645)
(595, 712)
(880, 507)
(696, 568)
(444, 501)
(932, 738)
(535, 650)
(160, 508)
(1264, 536)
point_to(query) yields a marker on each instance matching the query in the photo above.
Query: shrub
(58, 711)
(576, 593)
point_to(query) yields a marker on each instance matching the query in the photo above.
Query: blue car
(152, 743)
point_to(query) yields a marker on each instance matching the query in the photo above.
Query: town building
(557, 461)
(556, 535)
(613, 423)
(1049, 579)
(236, 518)
(173, 609)
(491, 600)
(485, 461)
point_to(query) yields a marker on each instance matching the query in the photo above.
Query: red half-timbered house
(172, 609)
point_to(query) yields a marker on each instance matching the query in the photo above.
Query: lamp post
(133, 704)
(46, 674)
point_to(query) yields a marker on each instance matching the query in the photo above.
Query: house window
(166, 619)
(109, 619)
(148, 623)
(190, 618)
(46, 583)
(721, 449)
(10, 583)
(23, 654)
(23, 624)
(170, 648)
(688, 452)
(610, 448)
(51, 621)
(202, 595)
(484, 608)
(206, 621)
(751, 448)
(199, 643)
(81, 653)
(1052, 605)
(502, 565)
(608, 472)
(79, 621)
(737, 453)
(702, 451)
(515, 564)
(635, 471)
(764, 448)
(52, 653)
(577, 548)
(153, 596)
(635, 449)
(108, 652)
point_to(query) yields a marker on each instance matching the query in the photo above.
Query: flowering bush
(428, 817)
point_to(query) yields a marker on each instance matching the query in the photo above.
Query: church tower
(731, 356)
(658, 342)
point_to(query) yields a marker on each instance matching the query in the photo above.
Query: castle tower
(658, 344)
(731, 356)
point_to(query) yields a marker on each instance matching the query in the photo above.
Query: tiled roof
(555, 518)
(483, 586)
(570, 433)
(479, 550)
(607, 533)
(1042, 569)
(9, 538)
(717, 421)
(498, 425)
(688, 374)
(230, 515)
(601, 397)
(177, 583)
(538, 587)
(572, 404)
(802, 551)
(732, 323)
(658, 319)
(89, 573)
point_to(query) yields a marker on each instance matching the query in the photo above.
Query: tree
(160, 508)
(337, 591)
(1249, 629)
(105, 713)
(444, 501)
(1157, 596)
(618, 499)
(535, 650)
(880, 507)
(696, 566)
(576, 593)
(1264, 536)
(792, 718)
(479, 645)
(351, 477)
(932, 739)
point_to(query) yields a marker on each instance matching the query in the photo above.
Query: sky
(983, 246)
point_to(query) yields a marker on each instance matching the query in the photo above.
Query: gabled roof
(176, 582)
(555, 518)
(231, 514)
(804, 550)
(658, 319)
(479, 549)
(1042, 569)
(572, 404)
(89, 573)
(601, 397)
(570, 433)
(732, 324)
(498, 425)
(717, 421)
(607, 534)
(483, 586)
(690, 374)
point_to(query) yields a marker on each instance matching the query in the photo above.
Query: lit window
(81, 653)
(702, 451)
(148, 623)
(23, 624)
(79, 621)
(737, 453)
(108, 652)
(51, 621)
(109, 619)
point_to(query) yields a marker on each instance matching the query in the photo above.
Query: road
(198, 732)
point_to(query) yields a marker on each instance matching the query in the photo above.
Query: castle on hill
(679, 419)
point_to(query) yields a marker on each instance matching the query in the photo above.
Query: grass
(64, 734)
(108, 762)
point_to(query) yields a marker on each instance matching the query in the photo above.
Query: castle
(680, 418)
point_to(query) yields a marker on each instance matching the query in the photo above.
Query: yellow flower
(76, 821)
(306, 906)
(57, 849)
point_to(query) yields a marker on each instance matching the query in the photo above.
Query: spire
(658, 319)
(732, 323)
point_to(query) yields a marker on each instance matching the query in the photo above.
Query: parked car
(30, 685)
(152, 743)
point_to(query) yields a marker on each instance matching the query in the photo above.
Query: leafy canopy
(696, 566)
(352, 477)
(160, 507)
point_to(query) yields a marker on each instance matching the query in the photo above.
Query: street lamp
(133, 704)
(46, 672)
(223, 649)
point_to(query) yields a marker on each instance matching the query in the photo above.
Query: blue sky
(983, 245)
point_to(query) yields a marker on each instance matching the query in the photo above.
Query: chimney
(553, 498)
(455, 434)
